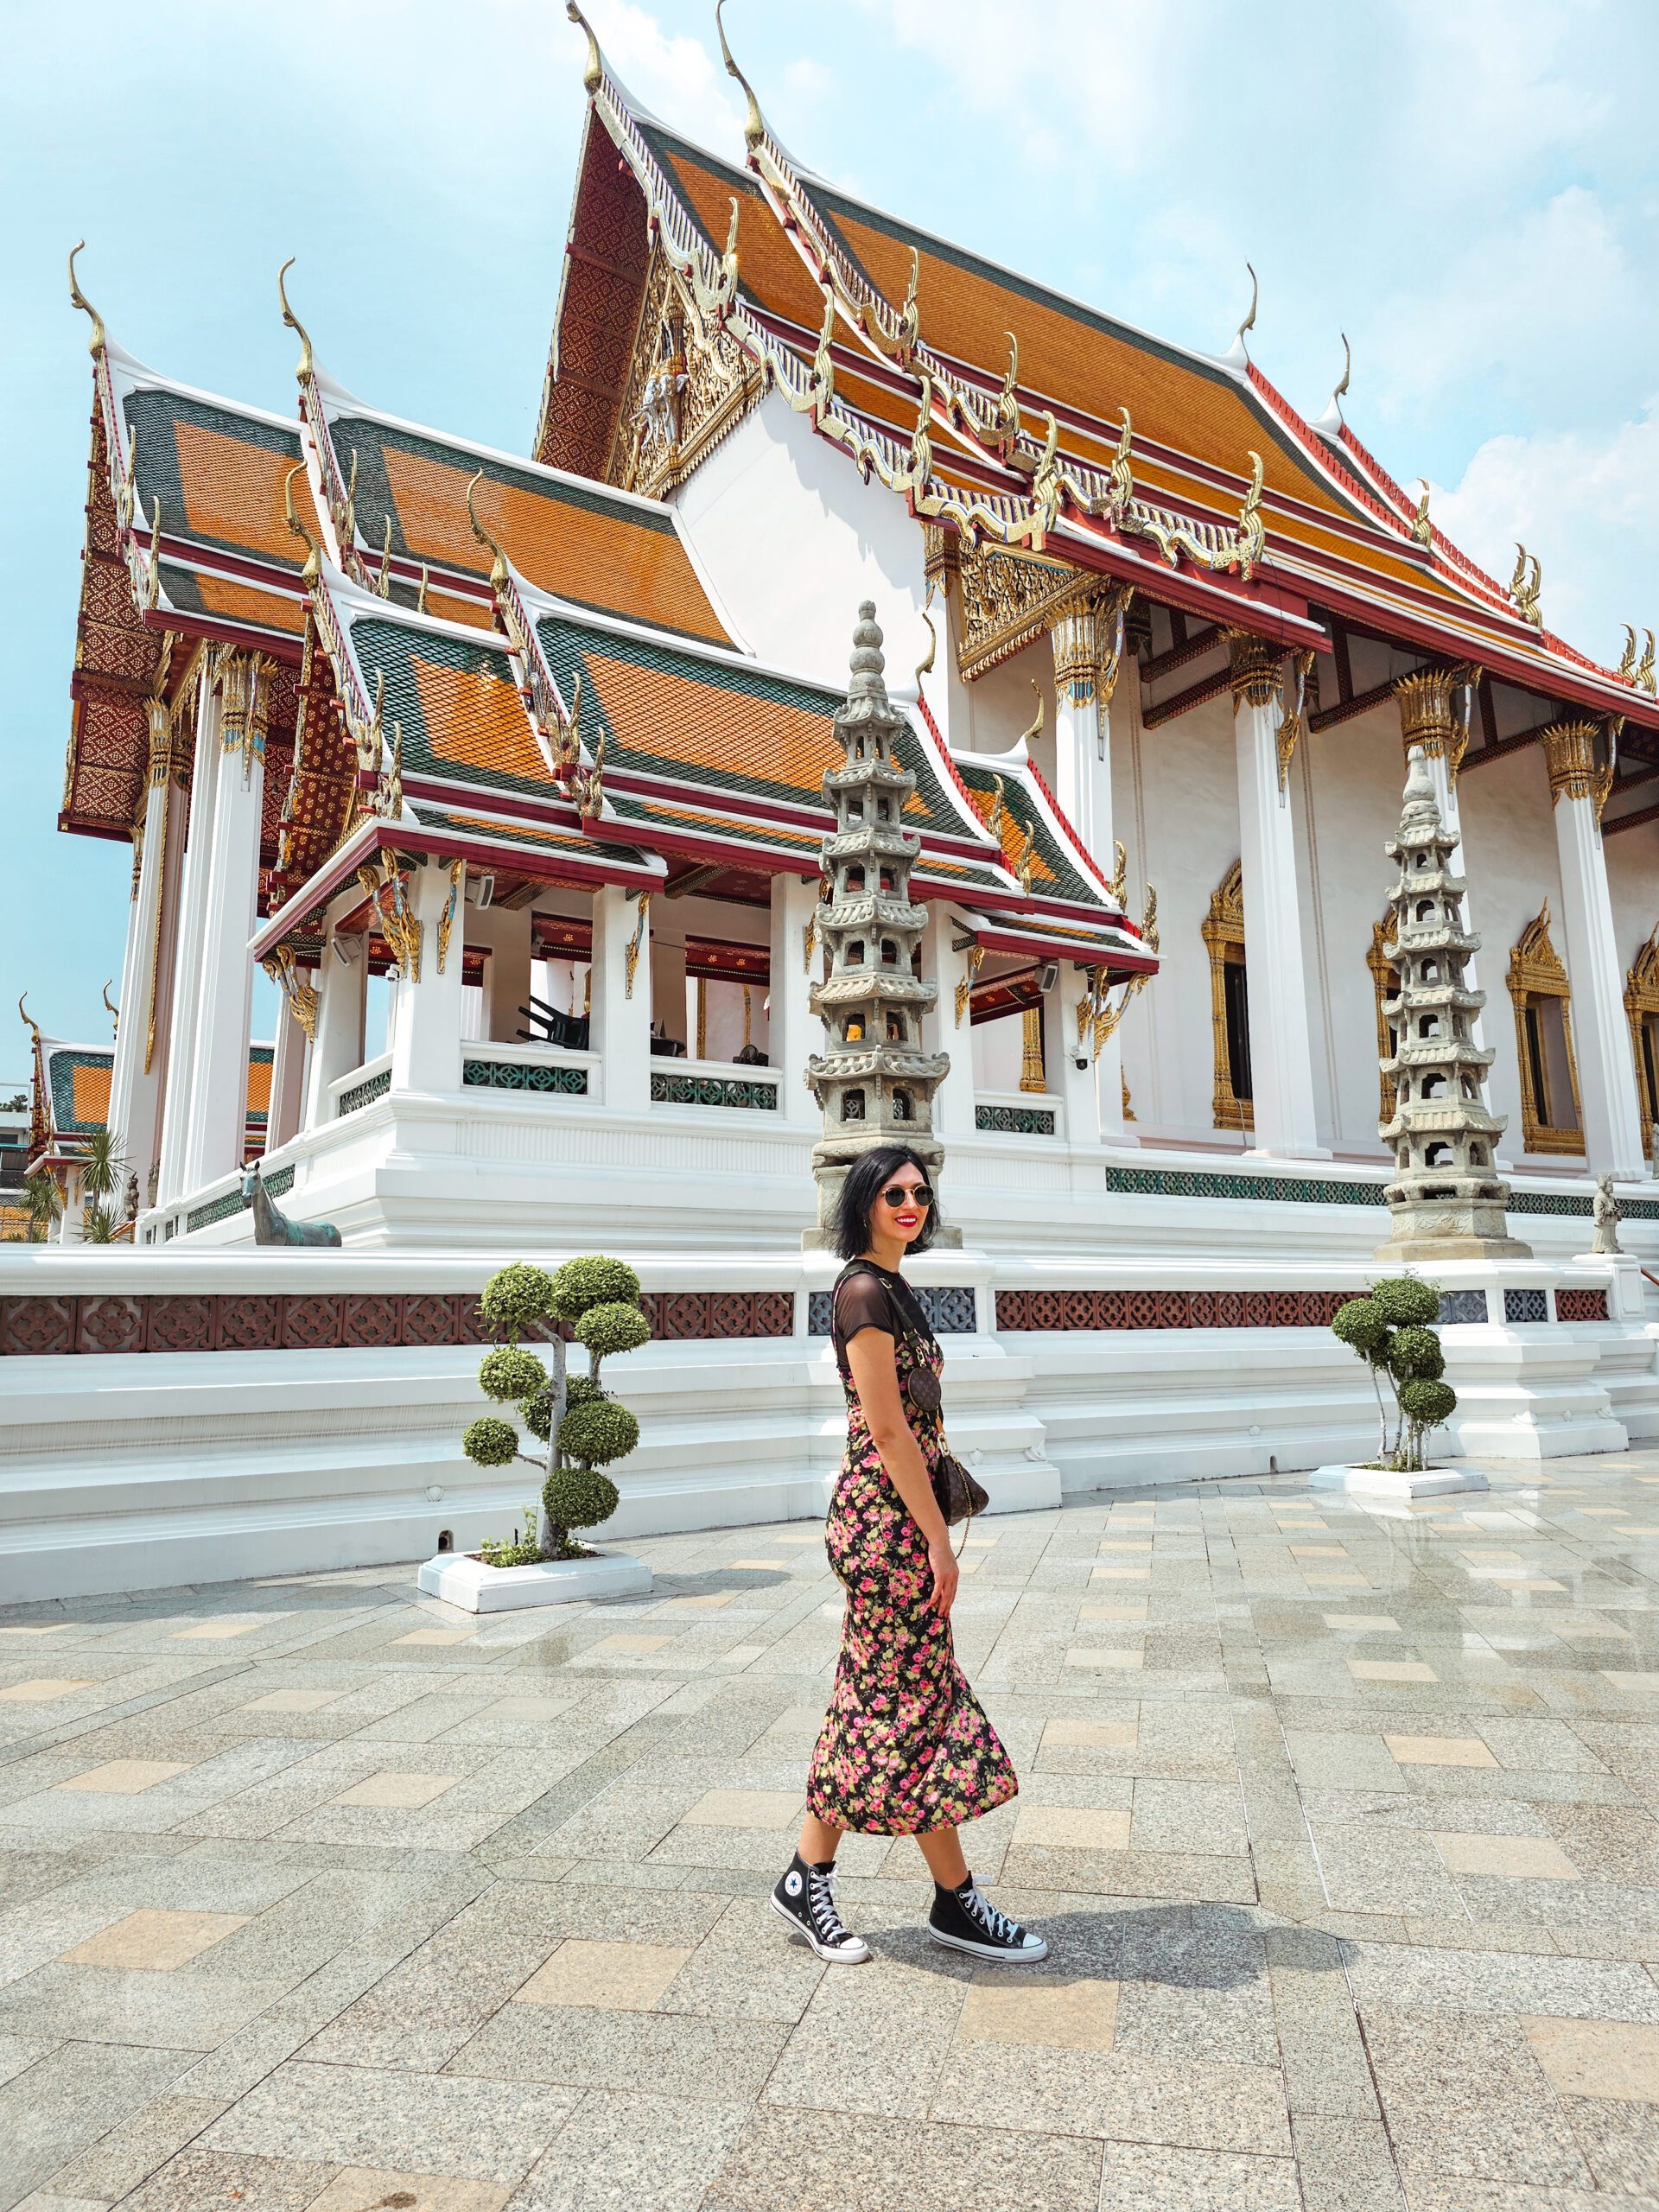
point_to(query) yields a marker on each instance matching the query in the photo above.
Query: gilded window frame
(1223, 930)
(1535, 972)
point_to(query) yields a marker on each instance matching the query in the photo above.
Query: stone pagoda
(872, 1080)
(1445, 1198)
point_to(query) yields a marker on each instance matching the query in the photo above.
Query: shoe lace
(821, 1903)
(996, 1924)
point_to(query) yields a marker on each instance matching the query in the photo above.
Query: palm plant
(45, 1203)
(103, 1180)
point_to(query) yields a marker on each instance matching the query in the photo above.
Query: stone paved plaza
(1341, 1823)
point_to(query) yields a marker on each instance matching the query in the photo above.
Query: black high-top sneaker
(966, 1920)
(805, 1896)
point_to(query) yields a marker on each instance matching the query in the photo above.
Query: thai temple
(509, 772)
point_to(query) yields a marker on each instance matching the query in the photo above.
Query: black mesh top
(866, 1297)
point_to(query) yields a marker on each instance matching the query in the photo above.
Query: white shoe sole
(845, 1957)
(998, 1953)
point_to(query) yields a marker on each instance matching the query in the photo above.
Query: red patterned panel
(248, 1324)
(686, 1316)
(1045, 1309)
(731, 1313)
(429, 1320)
(1287, 1309)
(1258, 1309)
(109, 1323)
(372, 1321)
(312, 1323)
(1201, 1310)
(774, 1313)
(468, 1322)
(1580, 1305)
(1011, 1309)
(1142, 1310)
(32, 1326)
(178, 1324)
(1230, 1309)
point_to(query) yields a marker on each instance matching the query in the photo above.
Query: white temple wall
(1175, 801)
(1354, 774)
(1633, 887)
(1508, 847)
(770, 492)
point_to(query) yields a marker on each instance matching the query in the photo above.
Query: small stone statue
(1604, 1212)
(1653, 1147)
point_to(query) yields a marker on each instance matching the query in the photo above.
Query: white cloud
(1587, 507)
(675, 74)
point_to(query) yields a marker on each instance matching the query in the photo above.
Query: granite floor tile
(1597, 2058)
(671, 2055)
(632, 2154)
(365, 2189)
(202, 2180)
(801, 2159)
(491, 2131)
(158, 1939)
(51, 2111)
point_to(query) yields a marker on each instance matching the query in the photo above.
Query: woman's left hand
(946, 1574)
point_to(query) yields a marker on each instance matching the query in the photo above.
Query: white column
(287, 1076)
(179, 1094)
(1069, 1065)
(506, 972)
(1282, 1058)
(621, 999)
(135, 1082)
(218, 1090)
(942, 1031)
(426, 1035)
(1084, 683)
(338, 1046)
(1601, 1036)
(793, 1031)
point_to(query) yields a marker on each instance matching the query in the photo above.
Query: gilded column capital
(1570, 751)
(1426, 716)
(1256, 671)
(1074, 633)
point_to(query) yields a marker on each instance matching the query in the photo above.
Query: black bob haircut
(864, 1182)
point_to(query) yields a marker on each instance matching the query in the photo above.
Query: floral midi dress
(906, 1747)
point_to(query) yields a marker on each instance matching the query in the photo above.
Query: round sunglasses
(896, 1195)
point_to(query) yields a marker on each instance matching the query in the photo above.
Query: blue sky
(1469, 189)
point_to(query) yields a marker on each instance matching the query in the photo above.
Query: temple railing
(532, 1071)
(1018, 1114)
(350, 1093)
(714, 1083)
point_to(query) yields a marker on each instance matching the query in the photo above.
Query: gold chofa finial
(1422, 528)
(499, 562)
(593, 74)
(1341, 391)
(27, 1018)
(1248, 323)
(924, 666)
(78, 299)
(755, 125)
(110, 1009)
(313, 568)
(302, 368)
(1027, 736)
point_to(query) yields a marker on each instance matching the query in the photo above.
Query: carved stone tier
(873, 1081)
(1445, 1200)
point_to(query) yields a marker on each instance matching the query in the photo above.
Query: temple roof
(573, 538)
(1173, 503)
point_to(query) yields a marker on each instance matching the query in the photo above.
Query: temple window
(1433, 1086)
(1439, 1155)
(853, 955)
(852, 1105)
(854, 1032)
(901, 1106)
(854, 881)
(1428, 1025)
(1477, 1156)
(895, 1028)
(1550, 1116)
(1224, 937)
(889, 953)
(1642, 1010)
(1425, 910)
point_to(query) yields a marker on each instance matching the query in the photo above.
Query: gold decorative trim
(302, 1000)
(1007, 600)
(1256, 670)
(1293, 718)
(687, 386)
(631, 950)
(446, 920)
(1535, 975)
(1031, 1074)
(1223, 932)
(1640, 1010)
(402, 929)
(965, 983)
(1570, 751)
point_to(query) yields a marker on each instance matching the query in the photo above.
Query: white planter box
(1383, 1482)
(460, 1580)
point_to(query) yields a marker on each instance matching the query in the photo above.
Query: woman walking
(905, 1749)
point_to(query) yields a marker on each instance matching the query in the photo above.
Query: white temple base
(1386, 1482)
(461, 1579)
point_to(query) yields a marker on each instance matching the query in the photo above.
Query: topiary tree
(580, 1426)
(1392, 1331)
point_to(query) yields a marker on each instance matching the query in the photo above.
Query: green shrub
(599, 1432)
(1407, 1300)
(1425, 1404)
(612, 1328)
(510, 1372)
(578, 1498)
(491, 1443)
(537, 1413)
(593, 1280)
(1363, 1324)
(515, 1298)
(1417, 1353)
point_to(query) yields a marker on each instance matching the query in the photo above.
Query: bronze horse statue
(270, 1225)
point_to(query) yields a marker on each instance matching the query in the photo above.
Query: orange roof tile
(91, 1093)
(475, 718)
